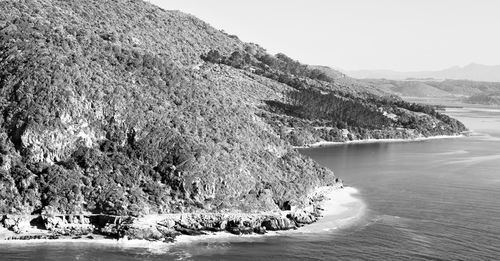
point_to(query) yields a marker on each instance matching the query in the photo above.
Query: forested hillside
(321, 107)
(122, 108)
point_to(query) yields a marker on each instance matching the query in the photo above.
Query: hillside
(471, 72)
(344, 80)
(410, 88)
(121, 108)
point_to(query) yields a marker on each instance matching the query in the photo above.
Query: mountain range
(473, 71)
(418, 86)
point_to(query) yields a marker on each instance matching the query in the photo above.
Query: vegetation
(487, 99)
(98, 118)
(106, 107)
(280, 68)
(341, 111)
(321, 111)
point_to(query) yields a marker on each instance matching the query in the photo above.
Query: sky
(402, 35)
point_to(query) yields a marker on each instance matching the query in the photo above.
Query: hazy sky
(361, 34)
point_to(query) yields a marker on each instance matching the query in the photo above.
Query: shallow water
(427, 200)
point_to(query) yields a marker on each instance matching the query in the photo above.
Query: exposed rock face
(155, 228)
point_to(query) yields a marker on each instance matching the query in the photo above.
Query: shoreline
(331, 206)
(370, 141)
(326, 203)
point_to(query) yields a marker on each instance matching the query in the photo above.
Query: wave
(475, 160)
(455, 152)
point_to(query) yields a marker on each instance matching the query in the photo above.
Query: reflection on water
(424, 200)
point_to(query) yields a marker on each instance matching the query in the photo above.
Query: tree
(236, 60)
(212, 56)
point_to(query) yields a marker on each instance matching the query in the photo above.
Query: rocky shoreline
(160, 228)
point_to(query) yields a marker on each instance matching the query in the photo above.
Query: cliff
(121, 108)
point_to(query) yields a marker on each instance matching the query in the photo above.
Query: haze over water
(429, 200)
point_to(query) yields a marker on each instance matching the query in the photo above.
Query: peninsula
(121, 119)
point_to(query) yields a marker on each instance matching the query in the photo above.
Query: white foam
(341, 209)
(367, 141)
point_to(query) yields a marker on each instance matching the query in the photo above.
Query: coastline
(331, 204)
(342, 208)
(369, 141)
(330, 208)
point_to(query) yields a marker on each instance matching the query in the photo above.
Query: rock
(278, 223)
(9, 222)
(189, 222)
(18, 224)
(222, 225)
(52, 222)
(189, 232)
(140, 232)
(110, 230)
(302, 217)
(260, 230)
(168, 232)
(240, 230)
(168, 223)
(169, 240)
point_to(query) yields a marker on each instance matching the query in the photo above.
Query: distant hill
(330, 72)
(474, 72)
(342, 79)
(410, 88)
(462, 90)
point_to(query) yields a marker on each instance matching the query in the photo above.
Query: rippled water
(429, 200)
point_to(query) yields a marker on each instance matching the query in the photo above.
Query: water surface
(427, 200)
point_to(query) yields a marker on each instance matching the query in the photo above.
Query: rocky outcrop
(18, 224)
(164, 228)
(156, 227)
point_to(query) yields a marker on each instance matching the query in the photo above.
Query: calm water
(431, 200)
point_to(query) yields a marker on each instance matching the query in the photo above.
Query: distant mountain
(473, 71)
(487, 93)
(409, 88)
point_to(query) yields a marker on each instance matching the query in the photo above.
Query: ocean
(425, 200)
